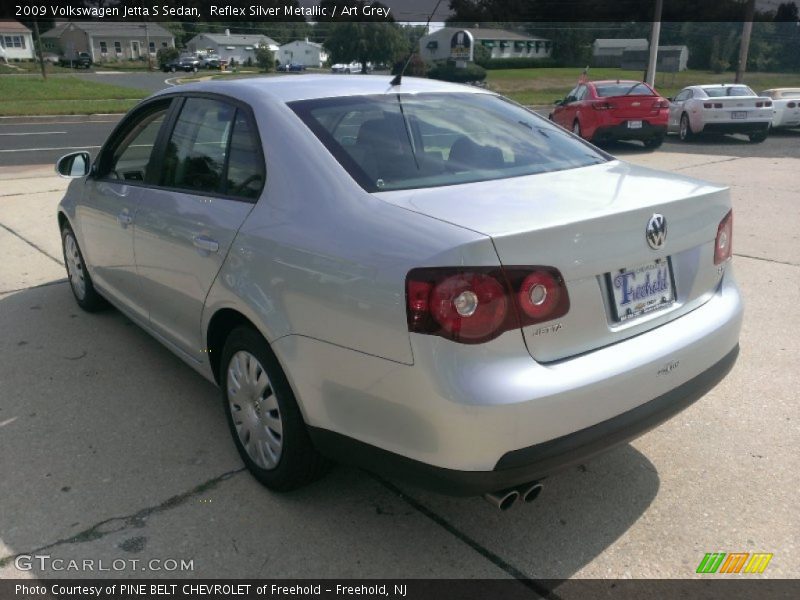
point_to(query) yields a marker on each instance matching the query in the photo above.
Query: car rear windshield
(406, 141)
(625, 88)
(734, 90)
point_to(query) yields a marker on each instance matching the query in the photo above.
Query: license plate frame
(651, 302)
(739, 114)
(634, 124)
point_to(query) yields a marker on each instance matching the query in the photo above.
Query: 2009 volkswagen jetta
(423, 279)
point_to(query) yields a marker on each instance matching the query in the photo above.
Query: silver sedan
(423, 279)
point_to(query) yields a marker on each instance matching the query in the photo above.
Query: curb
(52, 118)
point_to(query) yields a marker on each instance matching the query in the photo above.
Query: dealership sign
(461, 46)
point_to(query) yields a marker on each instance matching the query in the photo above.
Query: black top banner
(465, 12)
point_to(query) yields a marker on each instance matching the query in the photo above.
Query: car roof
(312, 86)
(615, 81)
(719, 85)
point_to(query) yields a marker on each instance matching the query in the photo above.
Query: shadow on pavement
(113, 448)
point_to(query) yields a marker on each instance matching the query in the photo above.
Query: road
(112, 448)
(25, 141)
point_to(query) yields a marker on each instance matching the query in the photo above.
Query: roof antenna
(398, 79)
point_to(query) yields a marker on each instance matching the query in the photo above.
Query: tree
(365, 42)
(265, 58)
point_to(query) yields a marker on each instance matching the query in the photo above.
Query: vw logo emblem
(656, 232)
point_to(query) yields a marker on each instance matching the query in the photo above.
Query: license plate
(634, 124)
(739, 114)
(641, 290)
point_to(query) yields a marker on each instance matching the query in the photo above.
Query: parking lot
(112, 448)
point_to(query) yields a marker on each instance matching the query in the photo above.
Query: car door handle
(124, 218)
(205, 243)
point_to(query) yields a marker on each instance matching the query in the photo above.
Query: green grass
(30, 95)
(543, 86)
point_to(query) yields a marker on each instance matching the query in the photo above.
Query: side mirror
(569, 99)
(74, 166)
(558, 102)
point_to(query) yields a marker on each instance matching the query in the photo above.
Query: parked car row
(600, 111)
(291, 68)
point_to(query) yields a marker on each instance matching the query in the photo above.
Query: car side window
(245, 176)
(129, 159)
(684, 95)
(195, 154)
(571, 96)
(581, 93)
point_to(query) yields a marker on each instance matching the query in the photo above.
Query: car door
(676, 108)
(561, 113)
(212, 172)
(114, 189)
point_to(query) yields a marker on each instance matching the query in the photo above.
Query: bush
(448, 71)
(165, 55)
(416, 67)
(719, 65)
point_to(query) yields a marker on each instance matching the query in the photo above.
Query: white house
(608, 52)
(302, 52)
(16, 41)
(501, 43)
(236, 46)
(107, 40)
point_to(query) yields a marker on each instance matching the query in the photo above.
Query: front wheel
(263, 416)
(79, 279)
(685, 131)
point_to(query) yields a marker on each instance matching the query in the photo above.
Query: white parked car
(785, 106)
(353, 67)
(720, 108)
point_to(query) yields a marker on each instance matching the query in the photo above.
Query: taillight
(790, 105)
(766, 104)
(717, 104)
(603, 106)
(659, 104)
(708, 105)
(723, 245)
(471, 305)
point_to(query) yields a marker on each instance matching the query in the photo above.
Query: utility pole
(149, 57)
(655, 34)
(744, 46)
(39, 44)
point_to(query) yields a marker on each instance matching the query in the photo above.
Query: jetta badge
(656, 232)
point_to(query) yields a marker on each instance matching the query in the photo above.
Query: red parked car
(600, 111)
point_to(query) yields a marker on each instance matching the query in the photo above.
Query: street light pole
(39, 44)
(655, 34)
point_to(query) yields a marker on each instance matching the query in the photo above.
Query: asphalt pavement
(112, 448)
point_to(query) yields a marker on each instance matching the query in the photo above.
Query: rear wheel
(685, 131)
(758, 136)
(654, 142)
(263, 416)
(79, 279)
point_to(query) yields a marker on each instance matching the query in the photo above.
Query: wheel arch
(222, 322)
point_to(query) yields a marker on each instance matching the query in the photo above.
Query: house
(671, 59)
(16, 41)
(231, 46)
(499, 42)
(608, 52)
(302, 52)
(107, 41)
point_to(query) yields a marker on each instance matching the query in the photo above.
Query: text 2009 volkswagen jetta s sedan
(424, 278)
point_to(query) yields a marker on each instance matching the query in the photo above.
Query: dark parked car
(181, 64)
(291, 68)
(82, 61)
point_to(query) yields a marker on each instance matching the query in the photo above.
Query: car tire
(194, 69)
(654, 142)
(263, 417)
(685, 132)
(80, 282)
(758, 136)
(172, 69)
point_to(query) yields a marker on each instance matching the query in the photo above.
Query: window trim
(160, 147)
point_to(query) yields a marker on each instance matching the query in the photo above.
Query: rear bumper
(622, 131)
(736, 127)
(534, 462)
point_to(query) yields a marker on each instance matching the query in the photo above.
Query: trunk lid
(634, 106)
(587, 223)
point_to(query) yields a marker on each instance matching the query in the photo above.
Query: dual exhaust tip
(505, 499)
